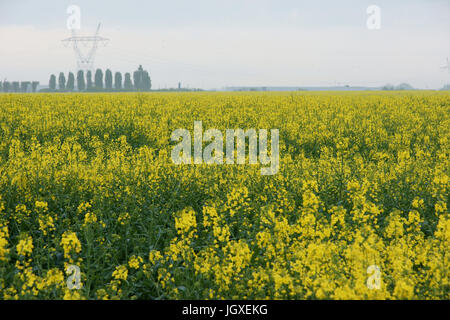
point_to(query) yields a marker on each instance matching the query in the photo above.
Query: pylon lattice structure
(85, 61)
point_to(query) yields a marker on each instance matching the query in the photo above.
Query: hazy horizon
(216, 44)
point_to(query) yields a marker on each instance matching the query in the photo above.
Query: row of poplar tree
(141, 81)
(16, 86)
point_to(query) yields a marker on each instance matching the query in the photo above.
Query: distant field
(357, 210)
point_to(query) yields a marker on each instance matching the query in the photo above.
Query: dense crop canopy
(361, 192)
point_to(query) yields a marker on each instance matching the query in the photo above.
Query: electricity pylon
(85, 61)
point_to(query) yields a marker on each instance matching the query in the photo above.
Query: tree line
(18, 86)
(85, 82)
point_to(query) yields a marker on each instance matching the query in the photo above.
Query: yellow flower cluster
(121, 273)
(4, 234)
(70, 244)
(25, 246)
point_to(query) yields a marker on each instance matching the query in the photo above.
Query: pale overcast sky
(212, 43)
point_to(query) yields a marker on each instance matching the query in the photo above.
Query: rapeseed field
(93, 207)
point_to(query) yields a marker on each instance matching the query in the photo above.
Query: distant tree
(118, 81)
(89, 80)
(404, 86)
(24, 86)
(52, 82)
(62, 81)
(1, 86)
(128, 85)
(388, 87)
(142, 81)
(146, 84)
(34, 85)
(70, 82)
(16, 86)
(81, 85)
(138, 78)
(6, 86)
(98, 79)
(108, 79)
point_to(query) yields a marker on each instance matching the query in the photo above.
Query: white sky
(212, 43)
